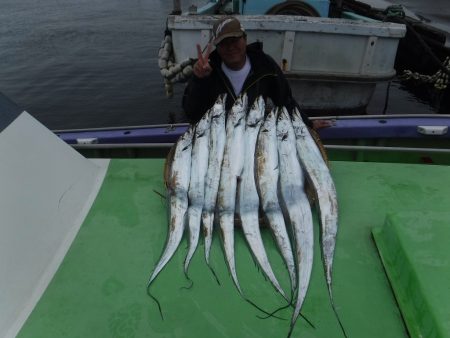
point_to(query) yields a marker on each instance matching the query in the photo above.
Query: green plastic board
(100, 288)
(415, 251)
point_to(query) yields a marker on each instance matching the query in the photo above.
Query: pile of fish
(238, 162)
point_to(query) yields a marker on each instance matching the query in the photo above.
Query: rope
(427, 48)
(440, 78)
(171, 71)
(394, 11)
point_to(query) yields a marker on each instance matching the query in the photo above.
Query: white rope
(439, 79)
(171, 71)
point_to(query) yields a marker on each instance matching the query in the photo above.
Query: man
(234, 68)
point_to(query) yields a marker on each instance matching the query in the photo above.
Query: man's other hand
(319, 124)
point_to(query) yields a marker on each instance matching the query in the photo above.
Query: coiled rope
(438, 79)
(171, 71)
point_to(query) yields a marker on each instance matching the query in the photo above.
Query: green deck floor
(99, 290)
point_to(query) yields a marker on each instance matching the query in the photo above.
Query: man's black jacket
(265, 78)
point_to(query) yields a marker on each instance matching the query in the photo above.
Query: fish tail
(194, 218)
(290, 303)
(254, 240)
(189, 280)
(328, 242)
(335, 311)
(227, 219)
(295, 316)
(261, 309)
(172, 244)
(271, 314)
(276, 222)
(156, 301)
(149, 283)
(154, 274)
(207, 221)
(214, 274)
(291, 328)
(328, 273)
(166, 256)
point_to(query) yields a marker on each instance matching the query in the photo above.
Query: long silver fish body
(232, 165)
(217, 137)
(297, 206)
(248, 194)
(267, 173)
(319, 175)
(196, 193)
(177, 189)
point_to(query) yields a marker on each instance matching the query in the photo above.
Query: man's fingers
(202, 67)
(208, 51)
(203, 58)
(202, 71)
(206, 69)
(200, 54)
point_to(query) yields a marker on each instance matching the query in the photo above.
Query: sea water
(93, 63)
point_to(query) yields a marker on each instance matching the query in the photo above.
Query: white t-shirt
(237, 77)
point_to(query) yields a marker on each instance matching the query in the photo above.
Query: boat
(423, 57)
(333, 64)
(390, 138)
(79, 236)
(426, 44)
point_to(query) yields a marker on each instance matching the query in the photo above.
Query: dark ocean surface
(93, 63)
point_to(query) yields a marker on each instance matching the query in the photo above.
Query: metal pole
(176, 7)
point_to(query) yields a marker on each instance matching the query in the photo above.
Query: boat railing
(168, 126)
(328, 117)
(327, 146)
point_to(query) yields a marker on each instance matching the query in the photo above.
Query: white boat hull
(332, 64)
(332, 96)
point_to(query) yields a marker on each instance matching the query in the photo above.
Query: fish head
(256, 113)
(185, 141)
(284, 124)
(203, 125)
(218, 111)
(219, 106)
(239, 110)
(299, 126)
(221, 99)
(270, 122)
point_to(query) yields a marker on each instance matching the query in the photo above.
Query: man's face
(232, 52)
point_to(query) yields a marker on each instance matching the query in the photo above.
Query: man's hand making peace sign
(202, 68)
